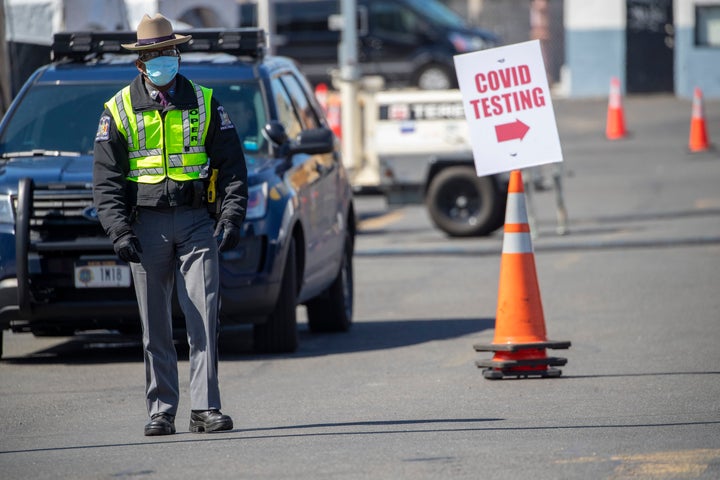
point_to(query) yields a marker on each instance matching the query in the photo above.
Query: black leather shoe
(209, 421)
(160, 424)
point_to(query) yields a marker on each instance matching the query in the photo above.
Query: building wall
(594, 46)
(694, 66)
(595, 49)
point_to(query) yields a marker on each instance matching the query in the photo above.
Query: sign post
(507, 104)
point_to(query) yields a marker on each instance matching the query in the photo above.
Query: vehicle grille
(62, 215)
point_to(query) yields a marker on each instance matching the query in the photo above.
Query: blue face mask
(161, 70)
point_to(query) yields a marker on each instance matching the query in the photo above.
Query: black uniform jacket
(115, 197)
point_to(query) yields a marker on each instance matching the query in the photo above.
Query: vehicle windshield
(438, 12)
(244, 103)
(65, 119)
(56, 118)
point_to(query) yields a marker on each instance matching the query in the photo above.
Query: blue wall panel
(594, 57)
(695, 66)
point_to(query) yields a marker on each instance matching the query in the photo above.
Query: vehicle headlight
(460, 42)
(467, 43)
(6, 210)
(257, 201)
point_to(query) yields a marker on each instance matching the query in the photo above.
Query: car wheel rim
(460, 202)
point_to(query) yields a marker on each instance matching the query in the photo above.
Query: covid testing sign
(506, 100)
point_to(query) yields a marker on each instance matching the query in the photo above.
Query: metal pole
(266, 21)
(349, 77)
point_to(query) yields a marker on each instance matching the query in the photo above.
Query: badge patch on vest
(225, 122)
(103, 131)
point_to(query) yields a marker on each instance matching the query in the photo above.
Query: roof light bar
(241, 42)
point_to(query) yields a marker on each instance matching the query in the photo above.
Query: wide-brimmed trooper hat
(155, 32)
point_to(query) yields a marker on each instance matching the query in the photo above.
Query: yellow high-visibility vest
(157, 148)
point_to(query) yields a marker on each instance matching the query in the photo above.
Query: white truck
(414, 147)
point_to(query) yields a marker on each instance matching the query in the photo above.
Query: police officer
(157, 143)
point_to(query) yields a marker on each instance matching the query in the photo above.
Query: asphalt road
(633, 286)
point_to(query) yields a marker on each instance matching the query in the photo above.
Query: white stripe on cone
(516, 210)
(517, 243)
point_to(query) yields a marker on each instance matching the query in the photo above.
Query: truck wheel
(279, 332)
(464, 205)
(332, 310)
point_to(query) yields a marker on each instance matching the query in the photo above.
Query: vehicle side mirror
(275, 132)
(313, 142)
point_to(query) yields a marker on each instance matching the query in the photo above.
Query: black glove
(228, 235)
(128, 248)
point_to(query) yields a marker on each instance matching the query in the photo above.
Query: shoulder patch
(225, 122)
(103, 131)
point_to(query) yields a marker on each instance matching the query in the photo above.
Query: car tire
(462, 204)
(279, 332)
(435, 77)
(332, 310)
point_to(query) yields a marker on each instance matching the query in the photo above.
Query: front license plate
(101, 274)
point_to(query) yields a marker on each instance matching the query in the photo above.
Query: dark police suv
(407, 42)
(58, 272)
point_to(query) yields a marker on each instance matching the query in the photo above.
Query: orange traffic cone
(334, 114)
(321, 93)
(615, 126)
(698, 132)
(520, 341)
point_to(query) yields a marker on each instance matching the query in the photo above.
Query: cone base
(615, 136)
(699, 140)
(698, 149)
(522, 366)
(503, 366)
(701, 145)
(514, 347)
(521, 360)
(498, 374)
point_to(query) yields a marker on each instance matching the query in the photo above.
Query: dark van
(407, 42)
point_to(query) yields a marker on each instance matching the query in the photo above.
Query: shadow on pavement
(389, 427)
(383, 335)
(236, 344)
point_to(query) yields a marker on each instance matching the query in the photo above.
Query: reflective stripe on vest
(182, 133)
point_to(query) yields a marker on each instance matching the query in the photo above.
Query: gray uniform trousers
(178, 246)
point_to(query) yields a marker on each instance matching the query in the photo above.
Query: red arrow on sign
(511, 131)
